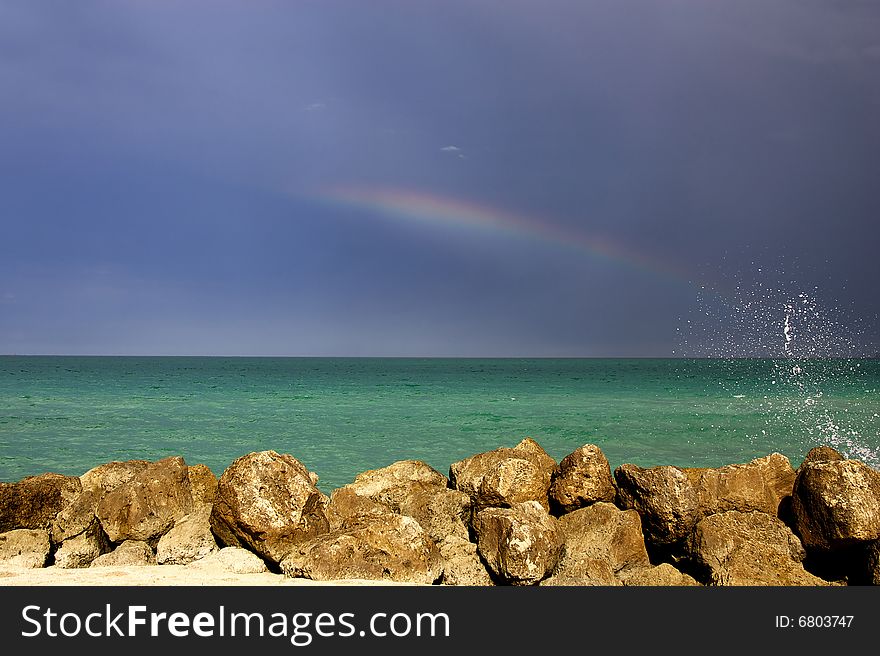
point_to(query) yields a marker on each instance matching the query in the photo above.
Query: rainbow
(418, 207)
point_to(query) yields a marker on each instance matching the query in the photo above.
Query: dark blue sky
(164, 169)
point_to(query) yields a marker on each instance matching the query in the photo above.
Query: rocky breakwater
(511, 516)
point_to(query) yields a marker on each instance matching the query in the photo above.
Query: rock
(821, 454)
(751, 549)
(146, 506)
(380, 548)
(77, 517)
(600, 533)
(24, 547)
(583, 477)
(203, 484)
(520, 545)
(392, 485)
(80, 550)
(762, 484)
(110, 475)
(96, 483)
(131, 553)
(872, 564)
(505, 477)
(33, 502)
(585, 572)
(190, 539)
(461, 563)
(664, 498)
(836, 504)
(232, 559)
(671, 500)
(345, 504)
(268, 502)
(440, 511)
(663, 574)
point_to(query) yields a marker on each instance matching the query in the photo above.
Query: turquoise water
(341, 416)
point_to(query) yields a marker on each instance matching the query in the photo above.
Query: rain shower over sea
(341, 416)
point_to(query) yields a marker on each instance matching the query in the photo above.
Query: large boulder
(821, 454)
(393, 484)
(190, 539)
(590, 573)
(583, 477)
(461, 563)
(24, 547)
(79, 515)
(663, 575)
(80, 550)
(836, 504)
(131, 553)
(33, 502)
(268, 502)
(388, 547)
(111, 475)
(505, 477)
(440, 511)
(748, 549)
(598, 539)
(671, 500)
(663, 496)
(203, 484)
(520, 545)
(146, 506)
(231, 559)
(346, 504)
(763, 484)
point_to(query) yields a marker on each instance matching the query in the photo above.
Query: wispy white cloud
(454, 149)
(315, 106)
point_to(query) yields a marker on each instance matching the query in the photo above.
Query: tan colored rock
(382, 548)
(345, 504)
(836, 504)
(761, 485)
(96, 483)
(590, 572)
(461, 563)
(872, 563)
(600, 533)
(440, 511)
(821, 454)
(110, 475)
(203, 484)
(189, 540)
(583, 477)
(80, 550)
(131, 553)
(671, 500)
(663, 575)
(24, 547)
(267, 502)
(520, 545)
(146, 507)
(76, 517)
(749, 549)
(663, 496)
(505, 477)
(391, 485)
(33, 502)
(231, 559)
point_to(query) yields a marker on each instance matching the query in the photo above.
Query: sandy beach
(157, 575)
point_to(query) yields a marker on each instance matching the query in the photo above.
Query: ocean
(341, 416)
